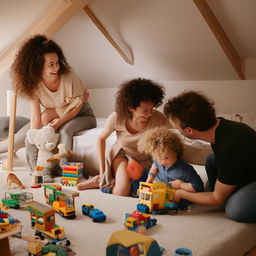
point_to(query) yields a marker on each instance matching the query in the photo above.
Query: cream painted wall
(161, 41)
(229, 96)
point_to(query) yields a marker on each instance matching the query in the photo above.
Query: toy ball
(134, 170)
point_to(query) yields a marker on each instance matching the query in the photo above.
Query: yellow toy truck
(156, 198)
(43, 221)
(61, 200)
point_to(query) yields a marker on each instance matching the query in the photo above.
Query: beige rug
(206, 231)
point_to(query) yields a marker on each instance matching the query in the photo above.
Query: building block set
(71, 171)
(137, 221)
(7, 222)
(155, 198)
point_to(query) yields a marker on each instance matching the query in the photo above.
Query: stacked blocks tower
(71, 171)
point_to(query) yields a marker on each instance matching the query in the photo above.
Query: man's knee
(241, 206)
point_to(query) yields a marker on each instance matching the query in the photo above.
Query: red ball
(134, 170)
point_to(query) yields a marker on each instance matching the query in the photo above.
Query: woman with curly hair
(134, 114)
(41, 74)
(166, 148)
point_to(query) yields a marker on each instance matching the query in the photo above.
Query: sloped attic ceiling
(168, 39)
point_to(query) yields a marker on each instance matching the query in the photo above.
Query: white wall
(159, 36)
(23, 108)
(229, 96)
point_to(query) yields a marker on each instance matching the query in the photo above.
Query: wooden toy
(13, 181)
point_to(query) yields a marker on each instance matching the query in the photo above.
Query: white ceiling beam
(48, 24)
(102, 29)
(237, 62)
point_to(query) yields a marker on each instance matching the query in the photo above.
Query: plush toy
(63, 153)
(46, 141)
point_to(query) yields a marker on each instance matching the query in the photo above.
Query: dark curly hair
(26, 71)
(133, 92)
(193, 109)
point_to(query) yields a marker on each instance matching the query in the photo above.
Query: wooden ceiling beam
(102, 29)
(236, 61)
(48, 24)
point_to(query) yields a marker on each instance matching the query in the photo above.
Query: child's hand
(176, 183)
(56, 123)
(177, 197)
(150, 179)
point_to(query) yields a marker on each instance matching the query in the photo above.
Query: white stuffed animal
(46, 141)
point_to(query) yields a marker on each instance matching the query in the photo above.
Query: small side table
(4, 240)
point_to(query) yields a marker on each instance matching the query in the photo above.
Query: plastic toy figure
(37, 177)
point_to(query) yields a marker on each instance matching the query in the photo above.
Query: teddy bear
(46, 140)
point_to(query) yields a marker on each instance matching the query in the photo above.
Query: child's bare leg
(122, 182)
(90, 183)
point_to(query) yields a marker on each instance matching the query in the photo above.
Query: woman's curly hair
(158, 141)
(26, 71)
(133, 92)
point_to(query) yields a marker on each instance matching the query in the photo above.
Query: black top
(235, 153)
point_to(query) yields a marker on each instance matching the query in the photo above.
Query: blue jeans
(135, 184)
(241, 205)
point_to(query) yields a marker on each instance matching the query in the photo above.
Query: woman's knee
(122, 182)
(44, 119)
(121, 190)
(241, 206)
(48, 115)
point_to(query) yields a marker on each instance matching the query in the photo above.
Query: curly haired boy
(168, 167)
